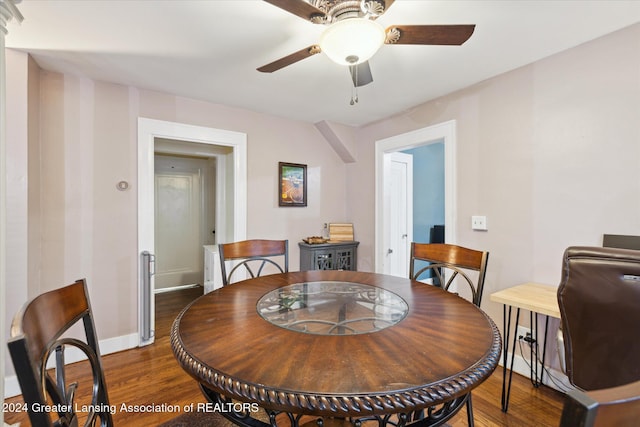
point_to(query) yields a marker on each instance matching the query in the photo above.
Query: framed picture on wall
(292, 189)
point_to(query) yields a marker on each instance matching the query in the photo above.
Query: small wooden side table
(538, 299)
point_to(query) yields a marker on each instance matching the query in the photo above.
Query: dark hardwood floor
(151, 376)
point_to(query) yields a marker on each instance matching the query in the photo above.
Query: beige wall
(88, 143)
(549, 152)
(17, 91)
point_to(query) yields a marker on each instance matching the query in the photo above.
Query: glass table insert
(332, 308)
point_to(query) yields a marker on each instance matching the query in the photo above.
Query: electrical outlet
(522, 332)
(479, 222)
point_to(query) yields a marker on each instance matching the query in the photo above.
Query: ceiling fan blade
(290, 59)
(298, 7)
(429, 34)
(361, 74)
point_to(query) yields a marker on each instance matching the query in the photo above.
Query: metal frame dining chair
(252, 256)
(37, 336)
(450, 262)
(446, 263)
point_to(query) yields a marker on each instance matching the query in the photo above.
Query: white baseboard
(521, 365)
(107, 346)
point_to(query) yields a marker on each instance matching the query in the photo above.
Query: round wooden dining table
(336, 344)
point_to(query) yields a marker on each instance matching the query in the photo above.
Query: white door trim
(148, 131)
(441, 132)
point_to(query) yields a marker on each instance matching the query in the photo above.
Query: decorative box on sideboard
(329, 256)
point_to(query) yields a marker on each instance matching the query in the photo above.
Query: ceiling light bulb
(352, 41)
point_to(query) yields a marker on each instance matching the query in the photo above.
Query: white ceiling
(210, 50)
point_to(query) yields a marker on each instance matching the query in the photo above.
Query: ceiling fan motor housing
(337, 10)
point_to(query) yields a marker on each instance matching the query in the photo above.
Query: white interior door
(185, 211)
(399, 200)
(178, 212)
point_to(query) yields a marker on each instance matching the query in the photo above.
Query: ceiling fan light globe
(352, 41)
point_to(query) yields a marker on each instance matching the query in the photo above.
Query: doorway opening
(385, 260)
(185, 211)
(228, 151)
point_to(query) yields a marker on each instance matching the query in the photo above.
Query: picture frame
(292, 184)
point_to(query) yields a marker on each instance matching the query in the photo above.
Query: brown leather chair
(253, 256)
(599, 300)
(617, 406)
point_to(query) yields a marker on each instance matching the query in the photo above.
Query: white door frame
(148, 131)
(441, 132)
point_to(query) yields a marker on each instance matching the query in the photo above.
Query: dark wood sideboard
(329, 256)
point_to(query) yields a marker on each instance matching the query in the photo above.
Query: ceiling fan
(352, 36)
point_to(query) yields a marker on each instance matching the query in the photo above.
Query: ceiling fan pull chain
(354, 91)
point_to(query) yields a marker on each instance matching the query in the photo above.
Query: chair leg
(469, 411)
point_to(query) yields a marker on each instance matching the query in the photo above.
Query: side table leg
(536, 379)
(505, 349)
(533, 353)
(544, 346)
(506, 387)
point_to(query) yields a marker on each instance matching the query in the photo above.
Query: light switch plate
(479, 222)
